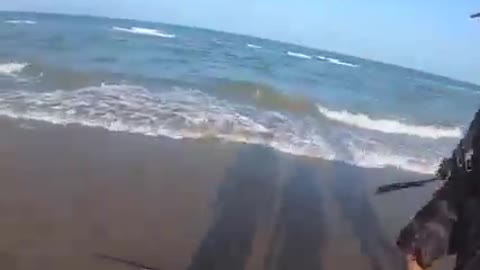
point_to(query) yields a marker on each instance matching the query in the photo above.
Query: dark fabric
(450, 222)
(467, 235)
(427, 236)
(473, 264)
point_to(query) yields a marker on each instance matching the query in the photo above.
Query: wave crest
(143, 31)
(336, 61)
(20, 22)
(262, 96)
(339, 62)
(389, 126)
(253, 46)
(11, 69)
(298, 55)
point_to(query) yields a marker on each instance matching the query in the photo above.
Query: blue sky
(430, 35)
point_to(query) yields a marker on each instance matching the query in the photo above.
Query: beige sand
(69, 192)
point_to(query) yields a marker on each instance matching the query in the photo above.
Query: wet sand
(68, 194)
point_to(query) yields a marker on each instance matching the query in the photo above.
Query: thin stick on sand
(124, 261)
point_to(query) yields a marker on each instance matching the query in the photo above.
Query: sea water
(164, 80)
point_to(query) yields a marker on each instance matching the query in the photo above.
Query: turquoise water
(164, 80)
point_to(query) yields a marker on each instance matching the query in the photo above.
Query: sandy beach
(68, 194)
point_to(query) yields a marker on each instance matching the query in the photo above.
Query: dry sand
(67, 193)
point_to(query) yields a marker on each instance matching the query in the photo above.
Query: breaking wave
(389, 126)
(253, 46)
(298, 55)
(262, 96)
(11, 69)
(339, 62)
(143, 31)
(20, 22)
(335, 61)
(382, 157)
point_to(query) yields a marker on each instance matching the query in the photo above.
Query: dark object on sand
(404, 185)
(449, 223)
(443, 173)
(124, 261)
(476, 15)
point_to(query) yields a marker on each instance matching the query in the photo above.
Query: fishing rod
(447, 165)
(404, 185)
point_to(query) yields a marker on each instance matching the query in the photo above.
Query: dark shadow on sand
(300, 230)
(350, 192)
(246, 194)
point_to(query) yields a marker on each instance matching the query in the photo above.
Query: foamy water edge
(181, 114)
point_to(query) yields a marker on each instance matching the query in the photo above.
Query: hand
(412, 263)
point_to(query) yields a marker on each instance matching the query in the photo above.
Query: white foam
(183, 113)
(321, 57)
(253, 46)
(299, 55)
(20, 22)
(383, 158)
(389, 126)
(339, 62)
(176, 114)
(144, 31)
(11, 69)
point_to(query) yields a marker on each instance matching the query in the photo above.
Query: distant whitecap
(20, 22)
(299, 55)
(253, 46)
(143, 31)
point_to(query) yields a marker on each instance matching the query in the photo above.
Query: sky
(436, 36)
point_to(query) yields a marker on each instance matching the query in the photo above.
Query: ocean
(188, 83)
